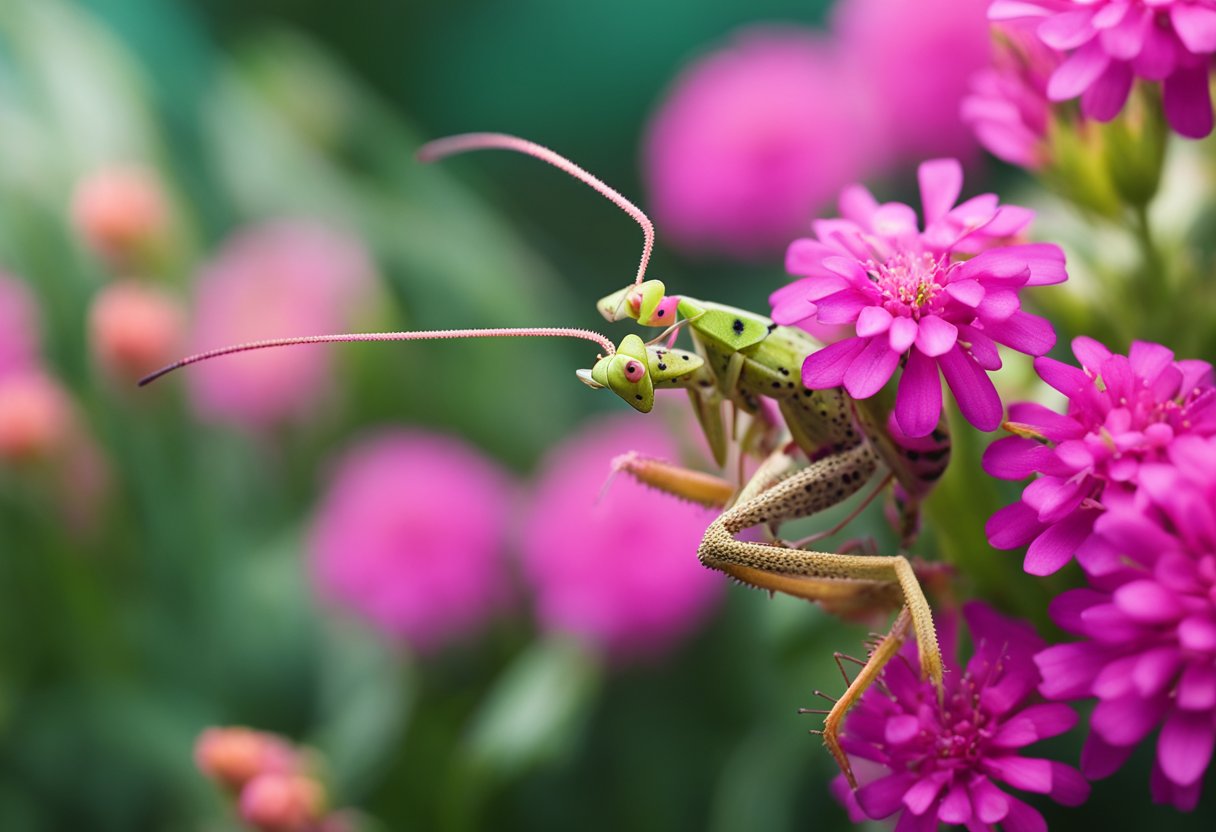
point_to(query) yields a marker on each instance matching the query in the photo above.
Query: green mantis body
(823, 449)
(818, 448)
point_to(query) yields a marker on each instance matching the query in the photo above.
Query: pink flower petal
(1015, 458)
(1125, 39)
(900, 729)
(871, 369)
(1078, 72)
(921, 795)
(1063, 377)
(1068, 670)
(858, 204)
(1056, 546)
(1148, 602)
(1068, 786)
(826, 368)
(918, 401)
(1023, 332)
(1188, 102)
(894, 219)
(1013, 526)
(1027, 773)
(941, 181)
(1128, 720)
(885, 795)
(956, 807)
(873, 320)
(1100, 759)
(1017, 9)
(903, 334)
(1067, 30)
(805, 257)
(990, 803)
(1106, 96)
(1197, 687)
(973, 390)
(1184, 748)
(1195, 26)
(841, 307)
(966, 292)
(1035, 723)
(935, 336)
(1022, 818)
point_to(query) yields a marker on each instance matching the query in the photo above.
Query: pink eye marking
(633, 371)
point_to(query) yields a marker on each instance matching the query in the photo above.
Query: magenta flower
(279, 279)
(1007, 106)
(734, 156)
(410, 535)
(616, 567)
(1150, 627)
(1110, 43)
(911, 294)
(19, 330)
(914, 59)
(1123, 412)
(941, 762)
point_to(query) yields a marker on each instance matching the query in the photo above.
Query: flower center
(911, 284)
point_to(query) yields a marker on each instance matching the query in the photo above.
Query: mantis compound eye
(634, 371)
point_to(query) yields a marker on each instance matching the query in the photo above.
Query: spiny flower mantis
(818, 447)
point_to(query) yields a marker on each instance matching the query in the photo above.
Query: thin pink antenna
(421, 335)
(450, 146)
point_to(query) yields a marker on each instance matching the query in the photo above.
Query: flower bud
(120, 211)
(135, 328)
(235, 756)
(282, 802)
(35, 417)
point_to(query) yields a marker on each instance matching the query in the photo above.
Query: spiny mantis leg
(848, 599)
(797, 572)
(885, 650)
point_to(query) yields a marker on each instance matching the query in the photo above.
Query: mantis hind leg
(831, 579)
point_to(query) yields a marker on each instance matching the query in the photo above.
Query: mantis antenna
(420, 335)
(450, 146)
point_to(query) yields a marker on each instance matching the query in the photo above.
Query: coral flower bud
(119, 211)
(135, 328)
(18, 326)
(282, 802)
(35, 417)
(235, 756)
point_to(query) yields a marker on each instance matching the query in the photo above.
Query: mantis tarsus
(817, 447)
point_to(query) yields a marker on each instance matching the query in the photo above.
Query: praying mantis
(816, 448)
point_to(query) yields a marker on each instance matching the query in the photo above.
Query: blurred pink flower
(235, 755)
(278, 279)
(410, 536)
(120, 211)
(1007, 105)
(37, 419)
(135, 328)
(19, 330)
(282, 803)
(618, 569)
(1111, 43)
(916, 58)
(751, 139)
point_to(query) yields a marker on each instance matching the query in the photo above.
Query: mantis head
(646, 302)
(635, 368)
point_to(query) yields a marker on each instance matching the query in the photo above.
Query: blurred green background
(188, 606)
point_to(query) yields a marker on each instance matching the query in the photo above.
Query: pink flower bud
(118, 211)
(235, 756)
(35, 417)
(282, 802)
(135, 328)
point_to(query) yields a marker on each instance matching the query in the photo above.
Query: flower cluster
(1111, 43)
(274, 783)
(940, 761)
(1149, 626)
(1123, 412)
(940, 298)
